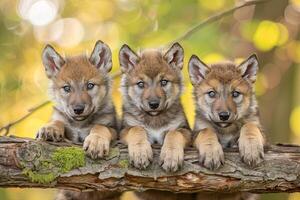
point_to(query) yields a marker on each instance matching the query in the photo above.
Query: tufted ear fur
(249, 68)
(101, 57)
(174, 56)
(197, 70)
(52, 61)
(128, 58)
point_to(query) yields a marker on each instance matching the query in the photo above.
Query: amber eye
(211, 94)
(235, 94)
(90, 86)
(140, 84)
(163, 83)
(67, 88)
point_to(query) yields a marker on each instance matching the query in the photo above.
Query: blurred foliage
(72, 26)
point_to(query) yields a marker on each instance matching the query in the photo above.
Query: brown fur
(96, 125)
(143, 126)
(242, 128)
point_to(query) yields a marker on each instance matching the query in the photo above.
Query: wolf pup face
(223, 91)
(78, 84)
(152, 79)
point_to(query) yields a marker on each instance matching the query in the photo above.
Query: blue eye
(140, 84)
(211, 94)
(235, 94)
(67, 88)
(90, 86)
(163, 82)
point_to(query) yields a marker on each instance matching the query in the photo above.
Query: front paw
(50, 133)
(171, 159)
(251, 150)
(140, 155)
(95, 146)
(211, 156)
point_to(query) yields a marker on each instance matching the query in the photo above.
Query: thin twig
(214, 18)
(7, 127)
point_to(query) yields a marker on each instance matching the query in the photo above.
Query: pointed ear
(197, 70)
(174, 56)
(52, 61)
(249, 68)
(128, 58)
(101, 57)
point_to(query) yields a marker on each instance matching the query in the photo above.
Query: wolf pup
(83, 110)
(152, 112)
(226, 111)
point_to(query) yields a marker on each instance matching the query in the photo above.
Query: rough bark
(28, 163)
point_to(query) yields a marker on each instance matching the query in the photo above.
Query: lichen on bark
(49, 165)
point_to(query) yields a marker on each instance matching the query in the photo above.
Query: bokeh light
(261, 84)
(296, 4)
(213, 57)
(38, 12)
(266, 36)
(71, 32)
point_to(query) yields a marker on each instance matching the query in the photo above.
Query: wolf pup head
(78, 84)
(152, 79)
(224, 92)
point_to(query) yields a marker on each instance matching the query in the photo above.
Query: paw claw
(211, 156)
(94, 146)
(49, 133)
(140, 155)
(171, 158)
(251, 151)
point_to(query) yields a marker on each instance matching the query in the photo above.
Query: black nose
(224, 116)
(153, 104)
(78, 109)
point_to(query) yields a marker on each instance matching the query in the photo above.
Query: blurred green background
(271, 30)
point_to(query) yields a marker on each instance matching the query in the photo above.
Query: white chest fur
(157, 135)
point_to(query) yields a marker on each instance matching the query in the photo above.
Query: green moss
(62, 160)
(38, 177)
(68, 158)
(46, 164)
(123, 163)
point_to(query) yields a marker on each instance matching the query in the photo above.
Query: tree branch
(28, 163)
(215, 18)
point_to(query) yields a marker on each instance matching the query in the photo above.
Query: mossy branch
(28, 163)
